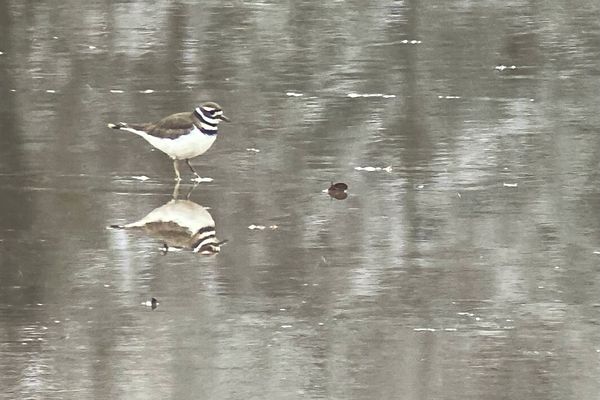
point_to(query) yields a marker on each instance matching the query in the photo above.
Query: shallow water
(468, 270)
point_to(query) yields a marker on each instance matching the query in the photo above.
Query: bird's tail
(132, 225)
(118, 125)
(115, 226)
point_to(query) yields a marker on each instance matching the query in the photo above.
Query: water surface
(467, 271)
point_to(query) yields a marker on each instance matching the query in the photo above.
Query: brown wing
(172, 127)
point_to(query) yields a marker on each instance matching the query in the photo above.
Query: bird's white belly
(184, 213)
(186, 146)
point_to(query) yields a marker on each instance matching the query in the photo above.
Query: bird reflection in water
(180, 225)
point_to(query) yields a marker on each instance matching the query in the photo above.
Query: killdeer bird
(183, 135)
(181, 225)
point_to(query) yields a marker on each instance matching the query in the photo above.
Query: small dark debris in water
(152, 303)
(338, 190)
(164, 249)
(338, 186)
(338, 194)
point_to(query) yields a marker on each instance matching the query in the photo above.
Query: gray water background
(468, 271)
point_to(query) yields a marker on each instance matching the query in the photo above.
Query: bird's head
(211, 113)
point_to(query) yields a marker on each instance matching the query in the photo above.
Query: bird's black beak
(224, 118)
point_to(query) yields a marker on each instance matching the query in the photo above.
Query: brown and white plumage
(180, 224)
(183, 135)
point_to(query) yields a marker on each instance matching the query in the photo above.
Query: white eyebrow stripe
(205, 118)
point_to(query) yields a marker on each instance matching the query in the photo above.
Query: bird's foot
(199, 179)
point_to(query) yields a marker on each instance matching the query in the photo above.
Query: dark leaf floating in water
(338, 190)
(338, 186)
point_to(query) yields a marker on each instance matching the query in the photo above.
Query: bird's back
(171, 127)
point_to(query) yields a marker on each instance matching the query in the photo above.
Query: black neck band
(202, 119)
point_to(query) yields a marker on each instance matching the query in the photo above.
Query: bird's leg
(176, 191)
(189, 194)
(178, 176)
(191, 168)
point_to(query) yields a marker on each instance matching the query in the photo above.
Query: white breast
(187, 146)
(184, 213)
